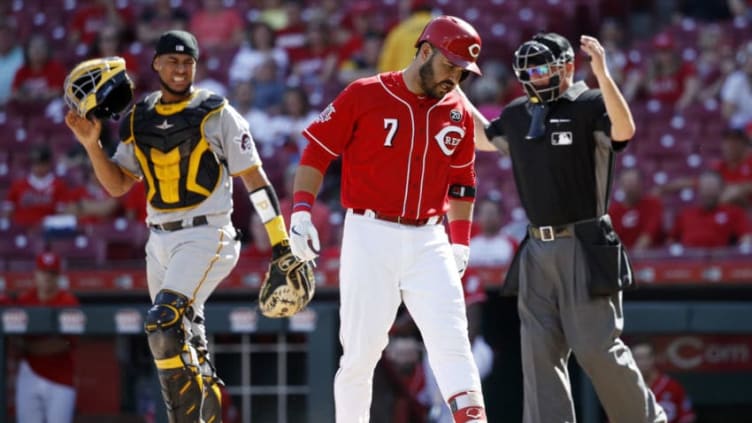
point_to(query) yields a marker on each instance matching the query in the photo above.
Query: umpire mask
(99, 87)
(539, 65)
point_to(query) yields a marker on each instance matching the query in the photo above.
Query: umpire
(570, 269)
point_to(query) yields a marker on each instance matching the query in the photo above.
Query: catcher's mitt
(288, 286)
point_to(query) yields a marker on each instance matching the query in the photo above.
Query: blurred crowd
(685, 66)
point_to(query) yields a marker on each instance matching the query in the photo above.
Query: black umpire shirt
(564, 176)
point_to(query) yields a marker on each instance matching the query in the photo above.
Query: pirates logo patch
(246, 143)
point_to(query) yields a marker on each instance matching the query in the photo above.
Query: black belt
(178, 224)
(399, 219)
(550, 233)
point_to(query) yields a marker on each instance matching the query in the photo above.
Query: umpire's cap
(176, 41)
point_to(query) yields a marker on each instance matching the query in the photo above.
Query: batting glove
(302, 231)
(461, 257)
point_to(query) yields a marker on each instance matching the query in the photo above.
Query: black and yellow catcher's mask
(99, 87)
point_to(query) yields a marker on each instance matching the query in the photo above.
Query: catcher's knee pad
(467, 407)
(176, 360)
(164, 324)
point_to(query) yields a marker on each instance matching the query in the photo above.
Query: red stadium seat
(80, 251)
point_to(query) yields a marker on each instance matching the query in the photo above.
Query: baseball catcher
(289, 284)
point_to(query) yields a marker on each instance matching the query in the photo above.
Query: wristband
(459, 231)
(302, 201)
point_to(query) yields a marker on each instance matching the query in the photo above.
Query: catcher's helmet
(456, 39)
(99, 87)
(543, 56)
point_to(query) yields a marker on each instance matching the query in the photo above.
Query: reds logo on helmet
(456, 39)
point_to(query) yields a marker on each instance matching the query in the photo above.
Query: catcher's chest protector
(179, 167)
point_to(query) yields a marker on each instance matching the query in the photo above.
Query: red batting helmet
(456, 39)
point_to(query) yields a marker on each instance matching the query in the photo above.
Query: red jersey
(670, 394)
(89, 20)
(720, 227)
(400, 151)
(31, 199)
(88, 192)
(55, 367)
(37, 83)
(739, 174)
(668, 89)
(645, 217)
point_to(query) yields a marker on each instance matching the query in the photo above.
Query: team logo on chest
(449, 138)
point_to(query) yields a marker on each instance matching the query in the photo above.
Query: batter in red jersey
(407, 147)
(44, 387)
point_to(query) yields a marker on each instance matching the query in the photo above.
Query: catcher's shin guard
(467, 407)
(176, 361)
(211, 410)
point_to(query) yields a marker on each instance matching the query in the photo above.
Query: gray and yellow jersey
(186, 153)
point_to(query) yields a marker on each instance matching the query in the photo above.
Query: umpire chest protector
(180, 170)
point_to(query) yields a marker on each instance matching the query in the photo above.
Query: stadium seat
(123, 238)
(79, 251)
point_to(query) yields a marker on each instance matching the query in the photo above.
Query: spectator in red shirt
(44, 387)
(636, 216)
(39, 194)
(89, 202)
(491, 247)
(666, 78)
(315, 62)
(735, 167)
(292, 34)
(39, 80)
(89, 19)
(668, 392)
(710, 223)
(217, 26)
(134, 202)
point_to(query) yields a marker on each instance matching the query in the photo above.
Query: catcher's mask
(99, 87)
(545, 56)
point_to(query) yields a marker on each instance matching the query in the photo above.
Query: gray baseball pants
(559, 317)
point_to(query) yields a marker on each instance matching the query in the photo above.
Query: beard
(181, 93)
(427, 81)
